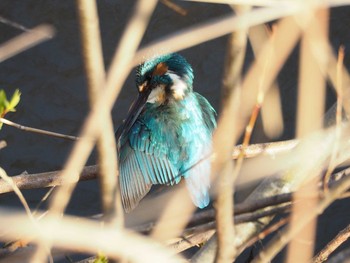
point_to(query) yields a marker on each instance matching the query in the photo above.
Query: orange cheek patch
(160, 69)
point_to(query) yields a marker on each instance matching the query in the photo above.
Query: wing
(142, 162)
(197, 172)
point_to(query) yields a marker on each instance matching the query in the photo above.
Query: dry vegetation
(305, 186)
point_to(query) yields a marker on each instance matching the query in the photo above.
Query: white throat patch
(179, 86)
(157, 95)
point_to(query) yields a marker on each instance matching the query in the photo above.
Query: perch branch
(332, 246)
(39, 131)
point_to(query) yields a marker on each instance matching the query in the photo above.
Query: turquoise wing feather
(165, 144)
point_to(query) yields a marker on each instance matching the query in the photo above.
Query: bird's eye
(148, 77)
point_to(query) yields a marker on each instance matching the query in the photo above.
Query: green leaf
(3, 101)
(101, 258)
(7, 106)
(16, 97)
(3, 98)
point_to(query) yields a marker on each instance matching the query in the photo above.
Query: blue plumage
(167, 132)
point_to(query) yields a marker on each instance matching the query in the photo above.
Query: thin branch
(42, 180)
(13, 24)
(194, 240)
(277, 243)
(175, 7)
(38, 131)
(333, 245)
(25, 41)
(264, 233)
(9, 180)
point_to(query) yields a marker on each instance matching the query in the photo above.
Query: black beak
(134, 112)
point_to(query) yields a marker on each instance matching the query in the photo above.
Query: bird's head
(164, 78)
(161, 80)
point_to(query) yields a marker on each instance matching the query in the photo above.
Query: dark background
(52, 81)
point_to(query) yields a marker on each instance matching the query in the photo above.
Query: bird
(167, 135)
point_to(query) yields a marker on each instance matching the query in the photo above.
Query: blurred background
(52, 81)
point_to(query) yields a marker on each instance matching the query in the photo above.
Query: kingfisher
(167, 135)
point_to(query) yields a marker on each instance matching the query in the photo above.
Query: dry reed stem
(85, 236)
(106, 145)
(224, 204)
(338, 117)
(25, 41)
(210, 30)
(310, 109)
(271, 111)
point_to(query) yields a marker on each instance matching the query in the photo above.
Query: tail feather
(198, 183)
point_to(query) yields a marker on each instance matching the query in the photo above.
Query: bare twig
(191, 241)
(333, 245)
(39, 131)
(13, 24)
(264, 233)
(10, 182)
(25, 41)
(178, 9)
(279, 242)
(4, 176)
